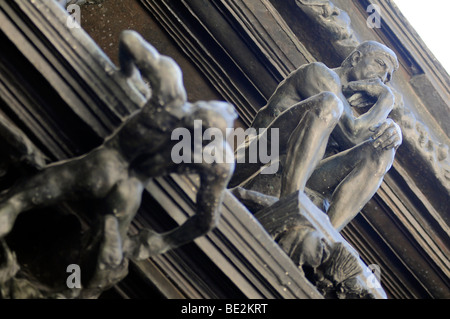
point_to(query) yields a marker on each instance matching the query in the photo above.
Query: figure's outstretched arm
(213, 181)
(163, 73)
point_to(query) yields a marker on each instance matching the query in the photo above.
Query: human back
(305, 82)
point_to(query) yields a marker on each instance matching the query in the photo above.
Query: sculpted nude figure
(117, 171)
(316, 102)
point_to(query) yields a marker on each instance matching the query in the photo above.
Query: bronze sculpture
(337, 156)
(117, 171)
(314, 103)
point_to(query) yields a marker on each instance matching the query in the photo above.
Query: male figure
(118, 171)
(315, 102)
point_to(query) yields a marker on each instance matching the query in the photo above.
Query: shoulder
(316, 77)
(320, 70)
(316, 70)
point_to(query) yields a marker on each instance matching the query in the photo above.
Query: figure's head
(214, 114)
(371, 60)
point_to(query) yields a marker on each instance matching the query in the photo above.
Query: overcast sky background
(431, 20)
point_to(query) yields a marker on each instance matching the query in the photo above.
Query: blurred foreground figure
(118, 171)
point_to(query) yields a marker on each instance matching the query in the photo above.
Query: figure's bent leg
(363, 181)
(43, 189)
(120, 207)
(307, 143)
(89, 176)
(305, 126)
(353, 177)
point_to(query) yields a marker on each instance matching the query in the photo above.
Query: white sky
(431, 20)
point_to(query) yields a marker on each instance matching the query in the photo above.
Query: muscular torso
(145, 142)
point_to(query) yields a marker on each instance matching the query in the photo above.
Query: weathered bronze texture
(117, 172)
(315, 102)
